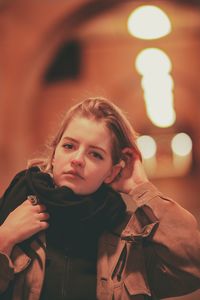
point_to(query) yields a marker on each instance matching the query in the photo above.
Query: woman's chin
(75, 187)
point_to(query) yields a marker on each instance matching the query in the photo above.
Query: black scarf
(96, 212)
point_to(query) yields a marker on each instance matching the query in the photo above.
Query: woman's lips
(73, 174)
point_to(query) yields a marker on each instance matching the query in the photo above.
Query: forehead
(90, 130)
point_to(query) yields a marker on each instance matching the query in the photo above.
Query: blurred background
(142, 55)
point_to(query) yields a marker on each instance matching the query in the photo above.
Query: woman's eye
(68, 146)
(97, 155)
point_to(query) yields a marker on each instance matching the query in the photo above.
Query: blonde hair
(98, 109)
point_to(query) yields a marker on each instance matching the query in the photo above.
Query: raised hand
(132, 173)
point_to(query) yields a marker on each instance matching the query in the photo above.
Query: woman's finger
(43, 216)
(41, 207)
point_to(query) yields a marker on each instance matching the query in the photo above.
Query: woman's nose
(78, 161)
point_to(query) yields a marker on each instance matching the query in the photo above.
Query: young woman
(66, 234)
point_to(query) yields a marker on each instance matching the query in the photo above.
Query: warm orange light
(148, 22)
(147, 146)
(181, 144)
(151, 61)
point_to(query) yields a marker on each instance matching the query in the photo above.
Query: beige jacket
(155, 255)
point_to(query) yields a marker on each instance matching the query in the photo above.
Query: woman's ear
(116, 169)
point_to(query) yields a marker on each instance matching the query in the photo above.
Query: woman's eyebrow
(91, 146)
(69, 139)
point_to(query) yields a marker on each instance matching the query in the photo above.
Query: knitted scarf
(101, 210)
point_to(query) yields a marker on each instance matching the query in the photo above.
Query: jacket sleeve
(171, 241)
(7, 267)
(6, 272)
(16, 263)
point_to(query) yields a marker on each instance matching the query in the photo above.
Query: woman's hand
(132, 173)
(23, 222)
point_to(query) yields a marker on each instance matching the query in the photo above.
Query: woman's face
(82, 159)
